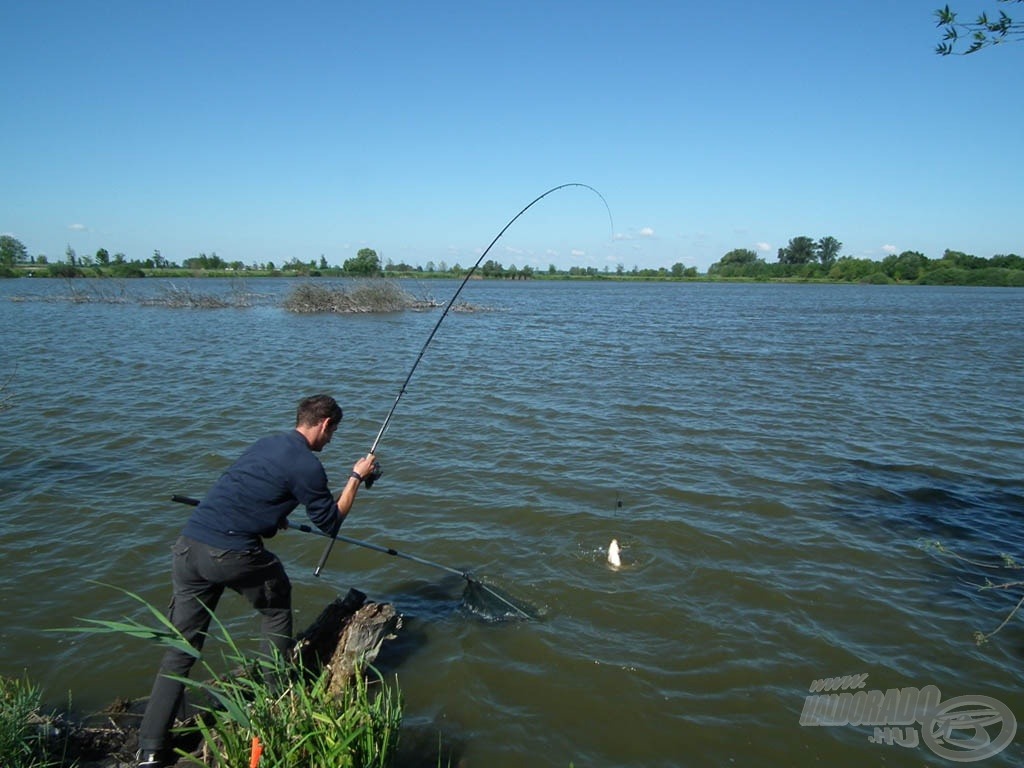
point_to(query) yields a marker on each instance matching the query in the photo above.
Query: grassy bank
(249, 709)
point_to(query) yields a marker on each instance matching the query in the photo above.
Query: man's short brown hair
(314, 409)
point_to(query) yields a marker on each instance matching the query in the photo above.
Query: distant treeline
(803, 259)
(954, 268)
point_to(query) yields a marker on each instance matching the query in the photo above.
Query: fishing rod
(385, 550)
(444, 314)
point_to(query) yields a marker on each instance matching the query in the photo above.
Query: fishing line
(444, 314)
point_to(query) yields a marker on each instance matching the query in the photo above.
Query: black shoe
(157, 759)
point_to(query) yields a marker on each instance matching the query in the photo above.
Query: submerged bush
(184, 298)
(362, 296)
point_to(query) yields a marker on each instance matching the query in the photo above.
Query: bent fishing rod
(444, 314)
(385, 550)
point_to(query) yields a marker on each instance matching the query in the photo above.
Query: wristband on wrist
(356, 475)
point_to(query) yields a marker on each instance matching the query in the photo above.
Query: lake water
(772, 459)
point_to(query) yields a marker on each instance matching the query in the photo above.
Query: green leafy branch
(983, 32)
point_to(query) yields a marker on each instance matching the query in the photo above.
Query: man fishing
(221, 546)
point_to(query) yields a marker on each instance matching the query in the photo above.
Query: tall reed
(298, 722)
(21, 742)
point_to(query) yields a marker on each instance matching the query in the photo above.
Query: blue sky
(271, 131)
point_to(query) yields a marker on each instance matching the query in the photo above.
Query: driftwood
(346, 636)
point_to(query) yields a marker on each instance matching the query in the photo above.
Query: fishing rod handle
(324, 556)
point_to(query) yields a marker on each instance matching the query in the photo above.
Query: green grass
(299, 722)
(303, 725)
(21, 743)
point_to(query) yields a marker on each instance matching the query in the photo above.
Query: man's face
(326, 432)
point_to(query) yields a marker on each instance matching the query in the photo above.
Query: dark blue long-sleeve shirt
(256, 493)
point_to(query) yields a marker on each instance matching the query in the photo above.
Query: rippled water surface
(772, 459)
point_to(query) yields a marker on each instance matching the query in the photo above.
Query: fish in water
(613, 554)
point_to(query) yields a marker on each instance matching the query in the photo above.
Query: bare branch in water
(1006, 563)
(368, 295)
(6, 398)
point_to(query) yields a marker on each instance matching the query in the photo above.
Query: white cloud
(763, 247)
(78, 228)
(890, 248)
(577, 253)
(646, 232)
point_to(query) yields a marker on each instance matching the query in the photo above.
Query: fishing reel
(373, 475)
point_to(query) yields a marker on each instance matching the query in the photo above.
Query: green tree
(296, 266)
(1007, 261)
(983, 32)
(202, 261)
(851, 269)
(909, 265)
(963, 260)
(12, 251)
(828, 249)
(801, 250)
(739, 257)
(365, 264)
(492, 268)
(102, 257)
(739, 262)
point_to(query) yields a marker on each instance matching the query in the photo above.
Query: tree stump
(346, 636)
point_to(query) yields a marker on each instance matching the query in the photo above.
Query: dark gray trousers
(199, 576)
